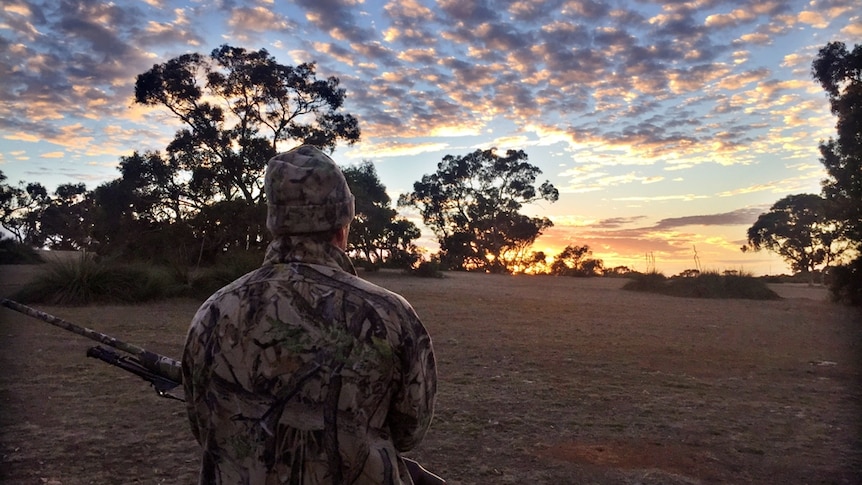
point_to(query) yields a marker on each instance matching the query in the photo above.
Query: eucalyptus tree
(839, 71)
(235, 107)
(473, 204)
(798, 228)
(20, 209)
(577, 261)
(375, 233)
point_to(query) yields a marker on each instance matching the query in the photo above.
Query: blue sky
(666, 126)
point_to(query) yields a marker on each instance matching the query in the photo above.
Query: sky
(667, 127)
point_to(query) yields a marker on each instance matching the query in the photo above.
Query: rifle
(164, 373)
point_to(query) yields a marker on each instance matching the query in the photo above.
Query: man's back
(300, 372)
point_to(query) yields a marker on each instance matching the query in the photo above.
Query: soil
(542, 380)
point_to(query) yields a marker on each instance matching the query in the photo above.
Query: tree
(150, 199)
(473, 203)
(246, 106)
(402, 251)
(373, 212)
(798, 229)
(11, 208)
(577, 261)
(536, 263)
(21, 210)
(64, 222)
(375, 234)
(839, 72)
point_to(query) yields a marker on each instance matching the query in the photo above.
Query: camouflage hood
(306, 192)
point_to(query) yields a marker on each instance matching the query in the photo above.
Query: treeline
(201, 197)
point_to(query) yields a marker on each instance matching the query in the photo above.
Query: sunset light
(667, 127)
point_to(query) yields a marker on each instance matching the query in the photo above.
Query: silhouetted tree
(839, 72)
(21, 210)
(399, 244)
(798, 229)
(373, 212)
(473, 203)
(235, 120)
(537, 263)
(64, 222)
(577, 261)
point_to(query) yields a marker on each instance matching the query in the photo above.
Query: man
(300, 372)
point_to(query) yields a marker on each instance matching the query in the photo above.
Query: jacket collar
(302, 249)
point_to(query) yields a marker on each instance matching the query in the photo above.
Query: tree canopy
(798, 229)
(473, 204)
(375, 233)
(839, 72)
(577, 261)
(236, 106)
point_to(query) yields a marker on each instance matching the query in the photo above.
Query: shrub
(652, 282)
(427, 269)
(846, 285)
(13, 252)
(368, 266)
(228, 268)
(705, 285)
(86, 280)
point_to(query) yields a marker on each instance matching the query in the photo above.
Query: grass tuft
(85, 280)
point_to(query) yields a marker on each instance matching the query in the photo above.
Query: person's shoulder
(365, 287)
(254, 277)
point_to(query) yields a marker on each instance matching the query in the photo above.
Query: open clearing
(543, 380)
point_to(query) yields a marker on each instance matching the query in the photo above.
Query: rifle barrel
(157, 363)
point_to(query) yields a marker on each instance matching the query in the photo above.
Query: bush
(651, 282)
(229, 267)
(86, 280)
(427, 269)
(13, 252)
(705, 285)
(368, 266)
(846, 286)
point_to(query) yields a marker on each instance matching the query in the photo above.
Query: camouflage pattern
(306, 192)
(302, 373)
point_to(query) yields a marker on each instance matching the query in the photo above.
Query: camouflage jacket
(302, 373)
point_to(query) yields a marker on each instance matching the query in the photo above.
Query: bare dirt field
(543, 380)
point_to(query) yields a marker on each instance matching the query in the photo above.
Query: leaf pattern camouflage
(302, 373)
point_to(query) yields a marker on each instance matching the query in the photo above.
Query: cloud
(854, 29)
(248, 23)
(662, 198)
(617, 222)
(337, 18)
(740, 216)
(394, 149)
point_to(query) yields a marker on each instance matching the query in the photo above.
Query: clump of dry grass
(86, 280)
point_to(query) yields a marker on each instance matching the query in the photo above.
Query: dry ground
(543, 380)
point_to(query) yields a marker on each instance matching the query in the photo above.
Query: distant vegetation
(12, 252)
(704, 285)
(201, 199)
(87, 280)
